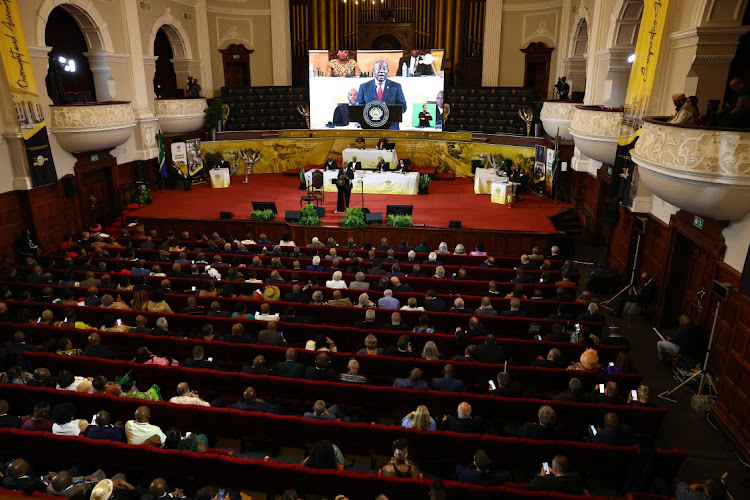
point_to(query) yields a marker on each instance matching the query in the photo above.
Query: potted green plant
(309, 216)
(262, 215)
(212, 159)
(214, 114)
(302, 181)
(354, 218)
(399, 221)
(424, 183)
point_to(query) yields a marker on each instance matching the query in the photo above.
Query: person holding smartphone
(556, 477)
(479, 472)
(612, 434)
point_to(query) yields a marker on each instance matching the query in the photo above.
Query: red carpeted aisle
(447, 200)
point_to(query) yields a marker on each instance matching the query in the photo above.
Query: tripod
(560, 193)
(703, 374)
(630, 287)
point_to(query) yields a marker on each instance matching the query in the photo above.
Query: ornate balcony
(82, 128)
(595, 131)
(557, 115)
(703, 170)
(180, 116)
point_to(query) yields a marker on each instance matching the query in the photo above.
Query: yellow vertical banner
(17, 63)
(640, 86)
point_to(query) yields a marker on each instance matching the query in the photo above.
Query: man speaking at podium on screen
(382, 89)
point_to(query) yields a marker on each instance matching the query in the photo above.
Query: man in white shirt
(265, 313)
(139, 431)
(187, 397)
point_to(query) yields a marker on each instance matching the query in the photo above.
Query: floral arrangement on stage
(262, 215)
(399, 221)
(309, 216)
(354, 218)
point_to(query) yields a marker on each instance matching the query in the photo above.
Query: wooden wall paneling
(655, 245)
(620, 246)
(50, 221)
(11, 224)
(496, 242)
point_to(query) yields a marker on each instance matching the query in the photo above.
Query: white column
(146, 124)
(281, 43)
(615, 61)
(597, 32)
(563, 39)
(493, 21)
(104, 84)
(204, 48)
(149, 68)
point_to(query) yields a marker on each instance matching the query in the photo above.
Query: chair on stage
(315, 190)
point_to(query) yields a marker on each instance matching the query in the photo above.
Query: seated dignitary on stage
(341, 113)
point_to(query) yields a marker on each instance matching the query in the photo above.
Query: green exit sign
(94, 157)
(236, 56)
(609, 171)
(698, 222)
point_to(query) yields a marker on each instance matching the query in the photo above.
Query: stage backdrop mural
(286, 154)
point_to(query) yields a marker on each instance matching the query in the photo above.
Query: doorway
(236, 60)
(536, 71)
(165, 78)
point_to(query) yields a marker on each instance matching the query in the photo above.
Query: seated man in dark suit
(574, 393)
(648, 293)
(289, 368)
(432, 303)
(103, 429)
(250, 402)
(238, 335)
(515, 309)
(558, 479)
(383, 166)
(447, 383)
(474, 329)
(6, 420)
(553, 360)
(94, 349)
(271, 335)
(463, 422)
(610, 396)
(413, 382)
(140, 326)
(19, 478)
(258, 366)
(321, 413)
(506, 387)
(197, 360)
(296, 295)
(402, 349)
(320, 370)
(330, 164)
(613, 434)
(522, 277)
(490, 351)
(557, 335)
(545, 429)
(479, 472)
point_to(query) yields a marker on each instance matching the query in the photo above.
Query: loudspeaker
(321, 211)
(226, 215)
(611, 213)
(376, 218)
(722, 290)
(292, 216)
(454, 224)
(69, 186)
(640, 224)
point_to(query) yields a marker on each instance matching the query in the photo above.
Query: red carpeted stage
(446, 201)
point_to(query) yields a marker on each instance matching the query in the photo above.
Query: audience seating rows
(373, 401)
(246, 473)
(378, 369)
(364, 439)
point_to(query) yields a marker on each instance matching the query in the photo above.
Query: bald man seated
(185, 396)
(140, 431)
(250, 402)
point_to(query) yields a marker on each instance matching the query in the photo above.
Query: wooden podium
(394, 116)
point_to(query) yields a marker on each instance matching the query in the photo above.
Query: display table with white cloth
(370, 157)
(373, 182)
(500, 191)
(484, 177)
(219, 177)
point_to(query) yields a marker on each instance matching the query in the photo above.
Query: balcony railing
(180, 116)
(81, 128)
(595, 131)
(704, 170)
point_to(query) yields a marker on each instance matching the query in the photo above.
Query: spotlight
(631, 58)
(62, 60)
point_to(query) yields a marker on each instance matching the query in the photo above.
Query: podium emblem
(376, 114)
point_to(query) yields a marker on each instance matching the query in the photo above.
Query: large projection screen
(422, 88)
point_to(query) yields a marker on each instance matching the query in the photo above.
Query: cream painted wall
(177, 11)
(737, 236)
(249, 24)
(523, 23)
(6, 172)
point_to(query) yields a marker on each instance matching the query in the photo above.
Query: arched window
(69, 77)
